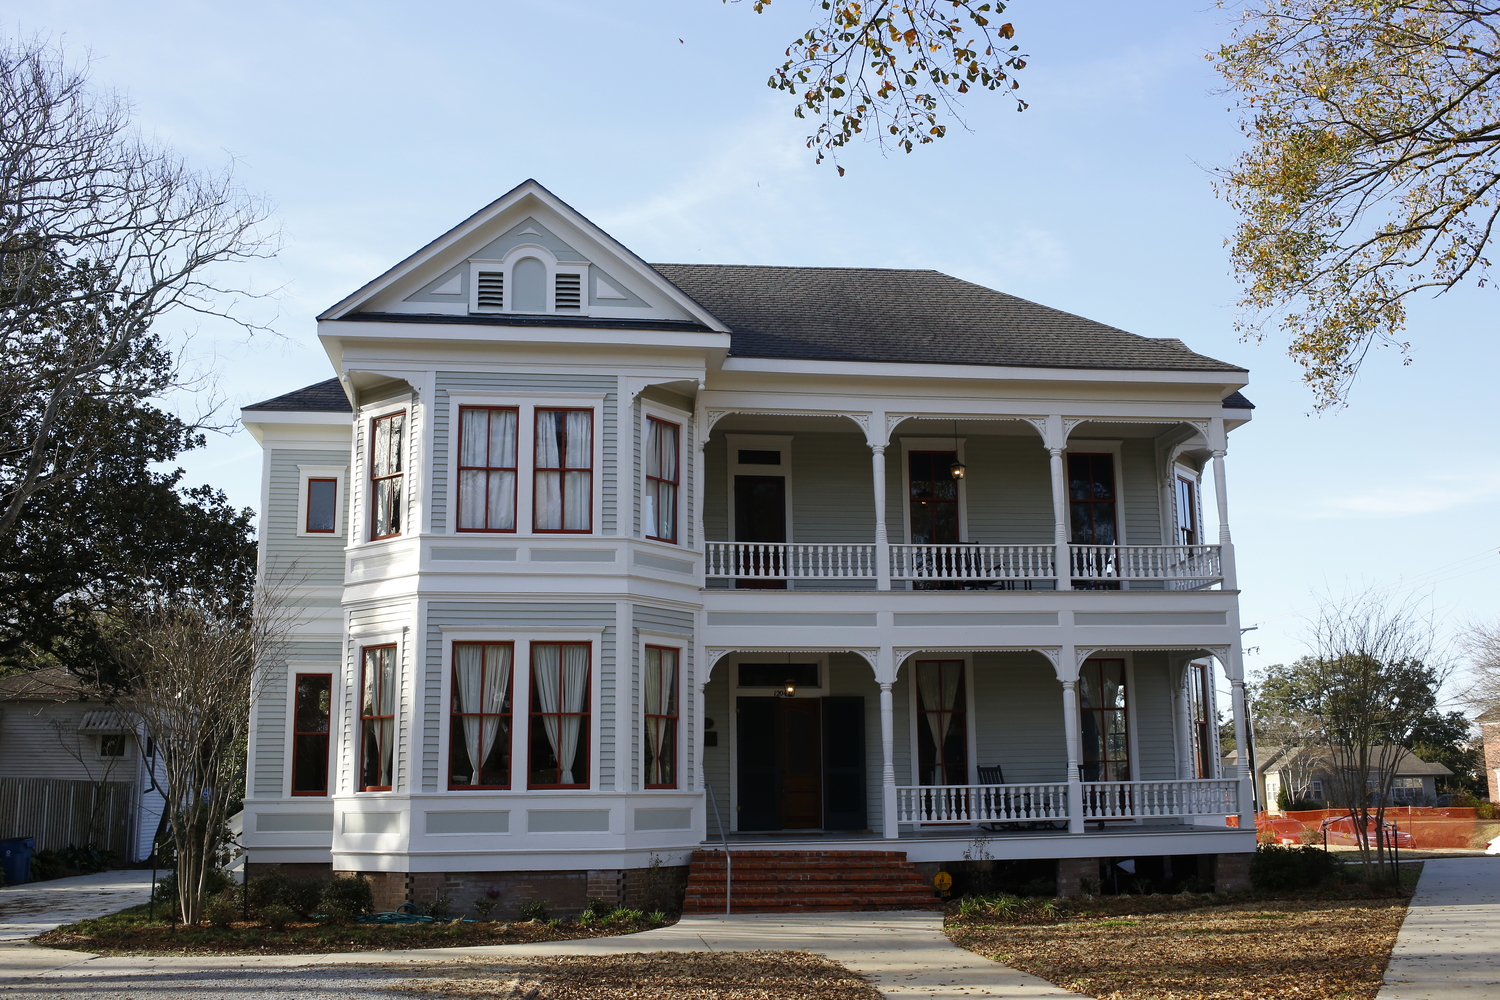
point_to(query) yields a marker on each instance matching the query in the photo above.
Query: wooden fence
(59, 813)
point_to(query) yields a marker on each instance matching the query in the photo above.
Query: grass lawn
(661, 975)
(132, 932)
(1308, 946)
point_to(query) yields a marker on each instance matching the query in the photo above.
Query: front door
(801, 764)
(1092, 512)
(760, 516)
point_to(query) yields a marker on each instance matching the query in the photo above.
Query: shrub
(438, 908)
(215, 881)
(1011, 909)
(345, 898)
(598, 907)
(535, 909)
(625, 915)
(1278, 869)
(658, 917)
(276, 916)
(221, 912)
(485, 905)
(300, 895)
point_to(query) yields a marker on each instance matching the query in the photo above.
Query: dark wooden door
(801, 753)
(844, 764)
(759, 770)
(760, 516)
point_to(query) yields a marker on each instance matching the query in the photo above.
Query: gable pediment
(526, 254)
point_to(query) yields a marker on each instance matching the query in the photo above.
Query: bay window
(559, 730)
(660, 690)
(377, 718)
(487, 468)
(387, 475)
(660, 513)
(564, 463)
(479, 733)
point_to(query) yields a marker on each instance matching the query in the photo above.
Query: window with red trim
(487, 468)
(377, 718)
(387, 475)
(659, 687)
(1102, 715)
(322, 506)
(559, 736)
(479, 730)
(564, 462)
(942, 723)
(312, 707)
(660, 514)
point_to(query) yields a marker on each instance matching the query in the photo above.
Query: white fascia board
(481, 218)
(333, 332)
(297, 426)
(992, 373)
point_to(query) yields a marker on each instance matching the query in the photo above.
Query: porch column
(1060, 520)
(1070, 727)
(888, 825)
(1242, 751)
(882, 539)
(699, 544)
(1221, 498)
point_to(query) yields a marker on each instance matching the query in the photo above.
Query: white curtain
(575, 685)
(487, 499)
(578, 486)
(661, 700)
(544, 677)
(564, 440)
(661, 464)
(482, 680)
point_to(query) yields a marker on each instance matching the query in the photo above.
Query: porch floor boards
(807, 881)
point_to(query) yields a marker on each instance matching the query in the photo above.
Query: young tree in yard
(1450, 739)
(1372, 171)
(892, 70)
(187, 669)
(1364, 692)
(1481, 645)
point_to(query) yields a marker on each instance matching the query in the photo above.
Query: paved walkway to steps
(27, 910)
(905, 953)
(1449, 945)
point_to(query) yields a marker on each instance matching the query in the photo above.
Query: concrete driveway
(27, 910)
(905, 953)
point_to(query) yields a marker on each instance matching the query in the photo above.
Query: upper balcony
(806, 503)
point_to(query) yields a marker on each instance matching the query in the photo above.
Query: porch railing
(789, 561)
(1146, 562)
(973, 562)
(981, 803)
(1144, 799)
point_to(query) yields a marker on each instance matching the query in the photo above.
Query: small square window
(322, 505)
(112, 745)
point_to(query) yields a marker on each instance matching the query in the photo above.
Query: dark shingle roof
(324, 397)
(912, 317)
(1234, 401)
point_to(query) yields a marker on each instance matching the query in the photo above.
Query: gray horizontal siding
(500, 382)
(1018, 717)
(312, 560)
(1152, 699)
(1142, 488)
(269, 762)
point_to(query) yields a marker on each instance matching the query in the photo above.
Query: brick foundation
(1072, 871)
(296, 869)
(1232, 872)
(566, 893)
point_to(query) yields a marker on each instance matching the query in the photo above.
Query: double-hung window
(942, 731)
(564, 493)
(377, 718)
(559, 737)
(487, 468)
(479, 739)
(1102, 715)
(311, 709)
(661, 480)
(1187, 512)
(660, 689)
(387, 475)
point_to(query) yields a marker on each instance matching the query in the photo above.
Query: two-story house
(600, 561)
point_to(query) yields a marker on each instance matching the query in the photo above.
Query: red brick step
(807, 882)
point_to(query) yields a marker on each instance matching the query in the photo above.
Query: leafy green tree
(1372, 170)
(893, 70)
(1449, 739)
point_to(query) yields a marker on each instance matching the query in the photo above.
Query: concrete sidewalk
(27, 910)
(1449, 946)
(905, 953)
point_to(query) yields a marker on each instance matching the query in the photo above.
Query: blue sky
(373, 127)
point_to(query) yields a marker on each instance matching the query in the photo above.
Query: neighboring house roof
(1491, 716)
(911, 317)
(326, 397)
(1407, 763)
(47, 684)
(103, 720)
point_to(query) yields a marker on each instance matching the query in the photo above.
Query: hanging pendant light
(789, 686)
(957, 468)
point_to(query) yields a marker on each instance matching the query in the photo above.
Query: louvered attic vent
(491, 290)
(568, 291)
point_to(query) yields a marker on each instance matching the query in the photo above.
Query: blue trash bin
(15, 859)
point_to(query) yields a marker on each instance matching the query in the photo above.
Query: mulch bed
(114, 936)
(1308, 949)
(660, 975)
